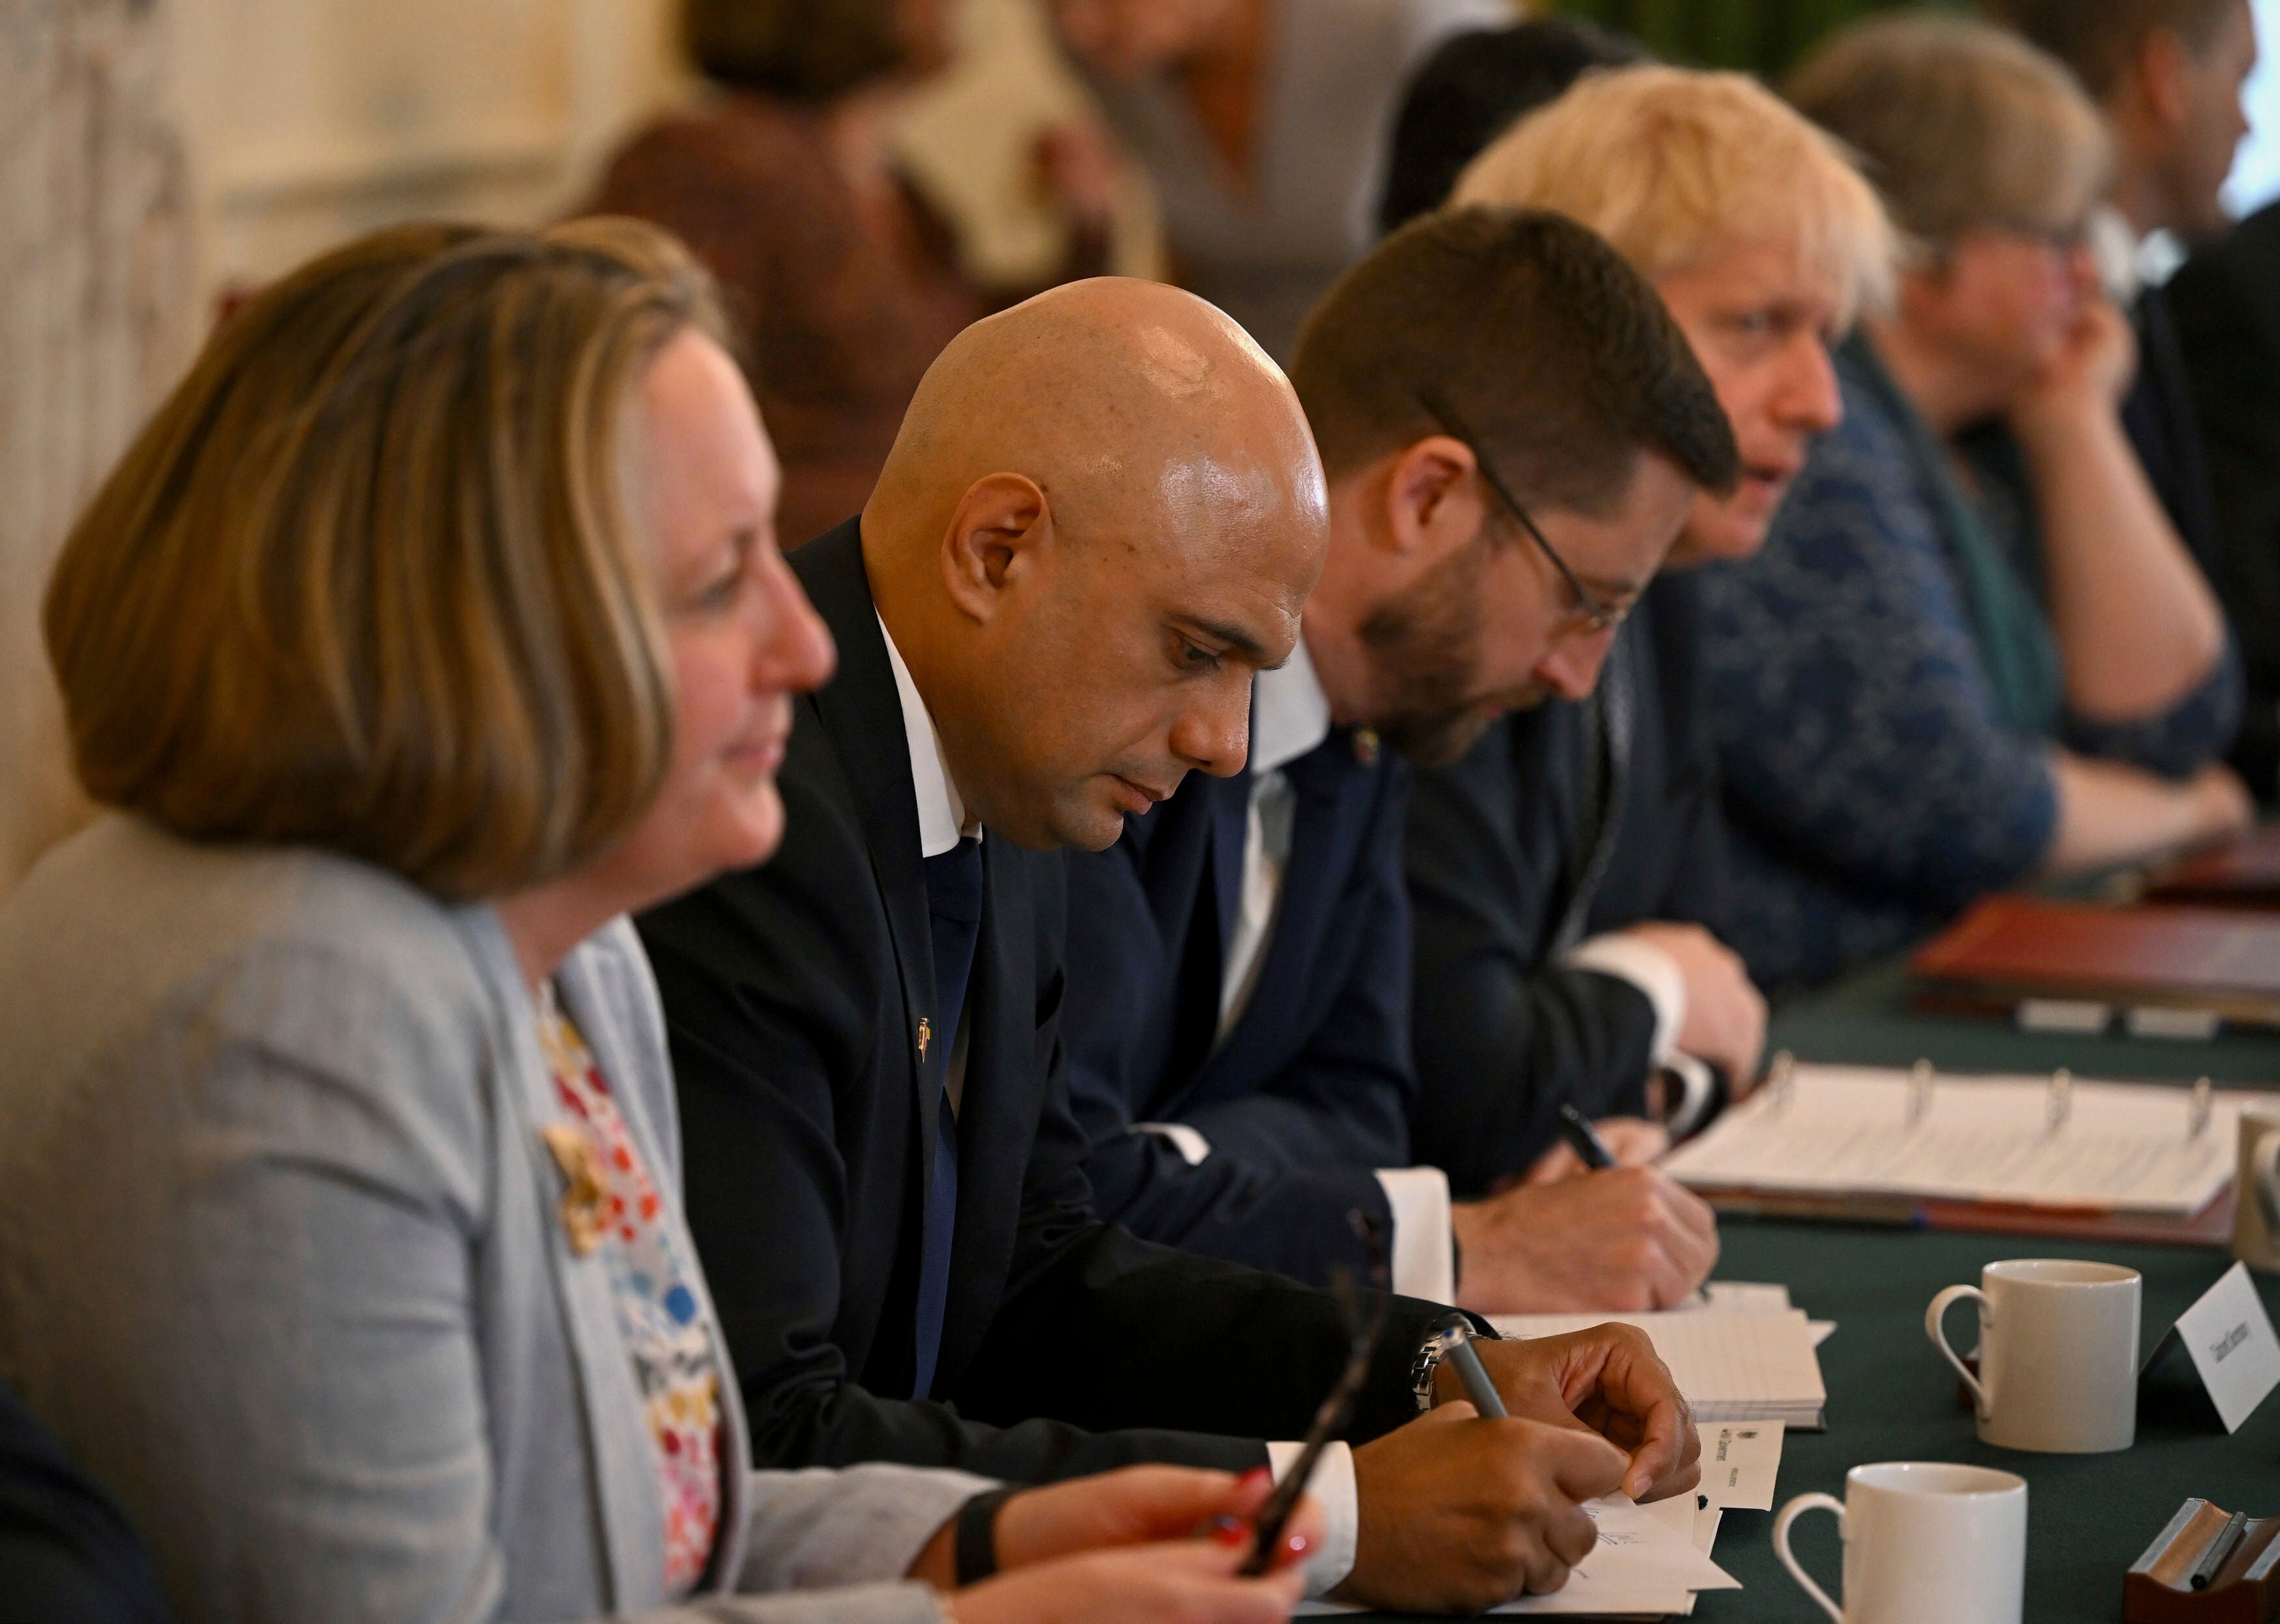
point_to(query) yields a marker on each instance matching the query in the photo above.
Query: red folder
(2006, 950)
(2240, 874)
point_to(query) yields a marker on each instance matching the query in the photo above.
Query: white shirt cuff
(1191, 1145)
(1424, 1250)
(1650, 970)
(1333, 1485)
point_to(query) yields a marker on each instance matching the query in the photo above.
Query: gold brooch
(585, 1197)
(925, 1035)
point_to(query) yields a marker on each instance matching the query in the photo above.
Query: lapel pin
(926, 1036)
(585, 1197)
(1366, 746)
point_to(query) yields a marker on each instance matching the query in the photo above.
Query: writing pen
(1475, 1376)
(1585, 1141)
(2220, 1551)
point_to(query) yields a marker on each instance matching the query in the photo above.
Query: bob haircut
(803, 50)
(1675, 167)
(1964, 125)
(370, 579)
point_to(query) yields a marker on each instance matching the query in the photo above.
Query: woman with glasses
(1973, 651)
(435, 622)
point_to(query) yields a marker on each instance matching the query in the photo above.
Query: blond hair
(1964, 125)
(1675, 167)
(369, 580)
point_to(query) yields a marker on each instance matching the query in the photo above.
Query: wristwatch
(974, 1546)
(1443, 1335)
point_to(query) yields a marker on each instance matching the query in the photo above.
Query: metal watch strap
(1443, 1335)
(976, 1543)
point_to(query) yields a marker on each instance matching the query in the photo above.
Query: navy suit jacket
(794, 992)
(67, 1555)
(1311, 1090)
(1505, 1034)
(2226, 301)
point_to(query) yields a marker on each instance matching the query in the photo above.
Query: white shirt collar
(1290, 713)
(943, 820)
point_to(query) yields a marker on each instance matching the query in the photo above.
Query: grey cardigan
(280, 1258)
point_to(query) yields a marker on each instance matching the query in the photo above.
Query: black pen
(1587, 1143)
(2220, 1551)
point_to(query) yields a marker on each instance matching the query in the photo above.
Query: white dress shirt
(943, 821)
(1289, 716)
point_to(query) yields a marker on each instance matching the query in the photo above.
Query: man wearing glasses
(1514, 433)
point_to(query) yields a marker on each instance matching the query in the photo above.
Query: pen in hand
(1584, 1140)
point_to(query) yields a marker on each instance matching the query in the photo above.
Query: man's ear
(2161, 63)
(993, 539)
(1432, 501)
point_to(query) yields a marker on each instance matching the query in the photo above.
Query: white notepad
(1857, 1130)
(1731, 1365)
(1647, 1566)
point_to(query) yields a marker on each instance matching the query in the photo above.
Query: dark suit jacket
(794, 991)
(1312, 1088)
(2164, 427)
(67, 1555)
(2226, 303)
(1505, 1036)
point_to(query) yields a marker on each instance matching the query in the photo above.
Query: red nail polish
(1230, 1531)
(1257, 1474)
(1295, 1547)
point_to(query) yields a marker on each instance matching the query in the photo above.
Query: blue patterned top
(1877, 781)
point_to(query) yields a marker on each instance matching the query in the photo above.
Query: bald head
(1110, 395)
(1102, 514)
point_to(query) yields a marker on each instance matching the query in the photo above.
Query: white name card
(2229, 1337)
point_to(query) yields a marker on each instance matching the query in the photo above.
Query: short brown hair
(1557, 355)
(804, 50)
(368, 580)
(2097, 38)
(1962, 124)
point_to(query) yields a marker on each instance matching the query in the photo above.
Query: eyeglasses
(1600, 617)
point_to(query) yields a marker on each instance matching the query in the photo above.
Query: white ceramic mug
(1925, 1542)
(2057, 1354)
(2256, 1201)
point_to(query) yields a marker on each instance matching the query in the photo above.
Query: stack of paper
(1854, 1130)
(1731, 1364)
(1647, 1566)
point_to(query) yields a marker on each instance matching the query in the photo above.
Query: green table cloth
(1892, 1398)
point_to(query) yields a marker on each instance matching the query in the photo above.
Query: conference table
(1890, 1396)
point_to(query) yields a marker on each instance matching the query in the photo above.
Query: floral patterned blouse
(676, 1367)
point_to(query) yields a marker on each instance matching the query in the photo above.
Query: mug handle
(1939, 1335)
(1790, 1514)
(2265, 1162)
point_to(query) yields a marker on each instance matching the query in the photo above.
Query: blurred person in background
(1973, 651)
(1568, 873)
(1475, 87)
(435, 620)
(2167, 75)
(1263, 124)
(843, 283)
(2226, 300)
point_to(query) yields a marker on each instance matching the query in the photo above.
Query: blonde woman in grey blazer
(310, 1251)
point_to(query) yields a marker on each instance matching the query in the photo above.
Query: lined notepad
(1731, 1365)
(1860, 1131)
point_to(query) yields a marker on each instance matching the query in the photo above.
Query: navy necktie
(954, 893)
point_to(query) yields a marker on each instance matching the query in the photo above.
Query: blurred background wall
(156, 153)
